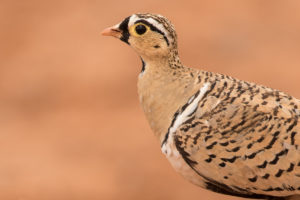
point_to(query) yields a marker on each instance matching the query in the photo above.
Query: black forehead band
(153, 28)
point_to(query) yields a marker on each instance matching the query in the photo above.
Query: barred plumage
(221, 133)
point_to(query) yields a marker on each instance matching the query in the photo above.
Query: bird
(223, 134)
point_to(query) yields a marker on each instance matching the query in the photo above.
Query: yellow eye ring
(139, 29)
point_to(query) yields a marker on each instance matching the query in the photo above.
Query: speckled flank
(234, 137)
(248, 140)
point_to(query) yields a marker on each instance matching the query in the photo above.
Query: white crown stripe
(152, 21)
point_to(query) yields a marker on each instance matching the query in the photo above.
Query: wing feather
(244, 140)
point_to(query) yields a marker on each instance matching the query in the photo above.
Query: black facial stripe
(153, 28)
(124, 28)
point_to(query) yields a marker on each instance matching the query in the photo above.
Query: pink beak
(112, 31)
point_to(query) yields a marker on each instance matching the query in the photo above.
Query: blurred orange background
(70, 122)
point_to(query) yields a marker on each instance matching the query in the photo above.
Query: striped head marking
(149, 34)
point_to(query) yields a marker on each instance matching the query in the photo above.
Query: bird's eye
(140, 29)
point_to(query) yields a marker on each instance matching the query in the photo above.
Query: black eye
(140, 29)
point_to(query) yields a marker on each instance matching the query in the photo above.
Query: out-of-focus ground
(70, 122)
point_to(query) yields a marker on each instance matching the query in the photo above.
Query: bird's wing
(244, 147)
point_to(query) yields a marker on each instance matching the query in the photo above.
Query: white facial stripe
(158, 26)
(132, 20)
(152, 21)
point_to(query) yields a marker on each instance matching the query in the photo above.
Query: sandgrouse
(223, 134)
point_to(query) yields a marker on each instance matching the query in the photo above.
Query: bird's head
(150, 35)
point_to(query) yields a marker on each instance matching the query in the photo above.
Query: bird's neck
(164, 61)
(162, 86)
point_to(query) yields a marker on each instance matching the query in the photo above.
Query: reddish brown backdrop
(70, 122)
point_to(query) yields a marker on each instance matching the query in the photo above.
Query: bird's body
(223, 134)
